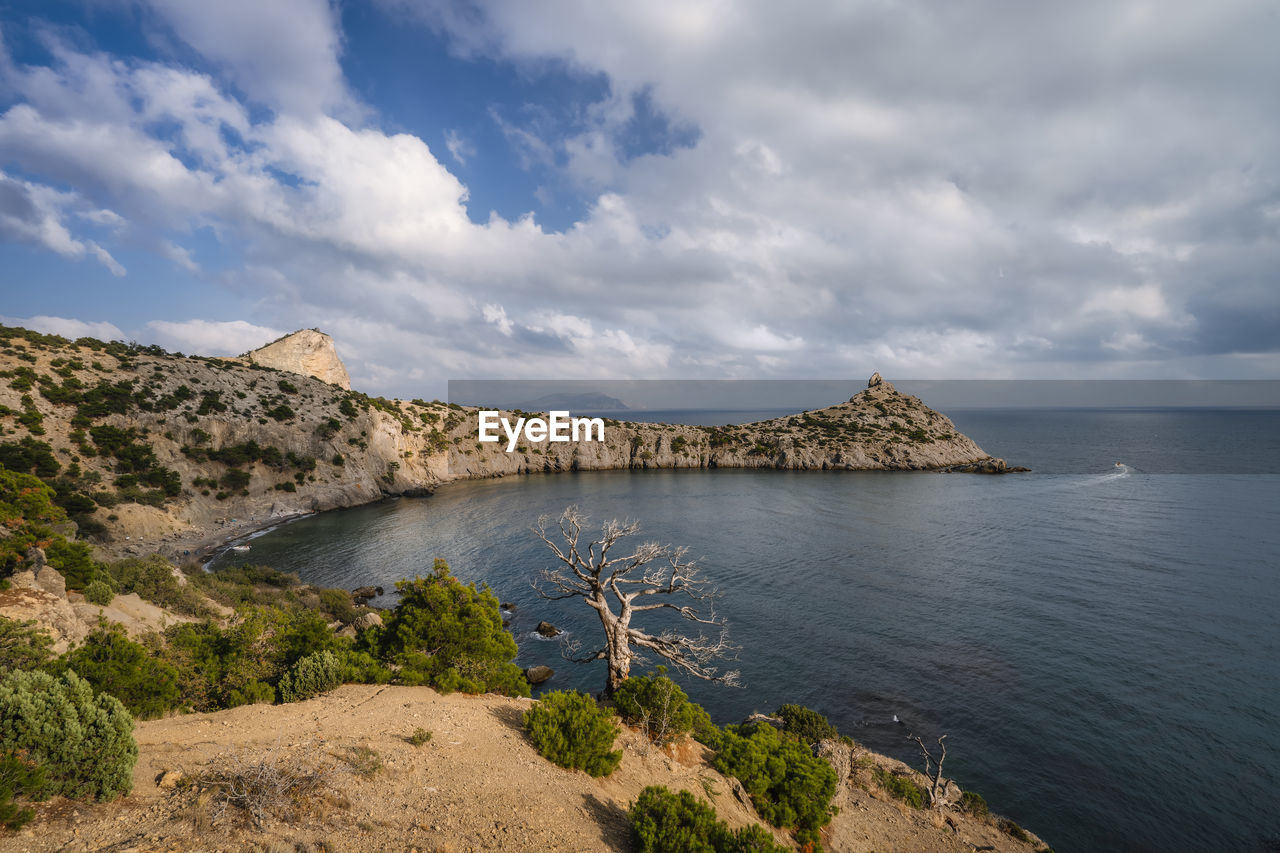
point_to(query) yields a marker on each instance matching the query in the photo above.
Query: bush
(23, 645)
(99, 592)
(420, 737)
(974, 803)
(1010, 828)
(806, 725)
(570, 729)
(153, 579)
(112, 663)
(657, 705)
(663, 822)
(900, 787)
(312, 675)
(450, 635)
(789, 786)
(84, 742)
(17, 779)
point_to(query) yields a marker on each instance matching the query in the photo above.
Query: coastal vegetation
(94, 434)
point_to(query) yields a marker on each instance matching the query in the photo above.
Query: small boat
(240, 548)
(1119, 464)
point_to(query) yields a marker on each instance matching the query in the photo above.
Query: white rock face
(307, 352)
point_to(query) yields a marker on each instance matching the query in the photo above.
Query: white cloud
(864, 192)
(68, 327)
(206, 337)
(459, 148)
(284, 53)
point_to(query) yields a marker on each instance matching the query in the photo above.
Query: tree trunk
(617, 653)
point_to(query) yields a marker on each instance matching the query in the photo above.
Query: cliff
(308, 352)
(161, 452)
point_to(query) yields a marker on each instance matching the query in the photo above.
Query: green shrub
(153, 579)
(18, 779)
(112, 663)
(337, 603)
(83, 741)
(788, 785)
(420, 737)
(251, 693)
(570, 729)
(663, 822)
(1008, 827)
(23, 645)
(449, 635)
(99, 592)
(901, 787)
(974, 803)
(312, 675)
(657, 705)
(806, 725)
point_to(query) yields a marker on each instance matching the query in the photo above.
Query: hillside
(150, 450)
(476, 785)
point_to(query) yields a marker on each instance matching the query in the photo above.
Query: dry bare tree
(933, 769)
(650, 577)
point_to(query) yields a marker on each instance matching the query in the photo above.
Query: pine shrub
(83, 742)
(789, 786)
(806, 725)
(663, 822)
(99, 592)
(449, 635)
(568, 728)
(18, 779)
(112, 663)
(657, 705)
(312, 675)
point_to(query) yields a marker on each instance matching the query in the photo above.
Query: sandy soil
(476, 785)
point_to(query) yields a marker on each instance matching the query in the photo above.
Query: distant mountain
(591, 401)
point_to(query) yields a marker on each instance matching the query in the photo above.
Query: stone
(51, 581)
(366, 620)
(875, 380)
(546, 629)
(362, 594)
(308, 352)
(538, 674)
(508, 606)
(169, 779)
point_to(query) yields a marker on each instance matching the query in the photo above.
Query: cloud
(206, 337)
(283, 53)
(34, 214)
(459, 148)
(68, 327)
(1078, 189)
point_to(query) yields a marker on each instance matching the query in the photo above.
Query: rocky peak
(308, 352)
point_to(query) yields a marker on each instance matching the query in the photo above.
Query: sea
(1098, 639)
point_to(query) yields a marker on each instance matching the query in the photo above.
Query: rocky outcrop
(308, 352)
(537, 674)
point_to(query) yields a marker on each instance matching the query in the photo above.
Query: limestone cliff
(171, 452)
(309, 352)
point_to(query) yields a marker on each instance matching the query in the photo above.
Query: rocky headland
(241, 443)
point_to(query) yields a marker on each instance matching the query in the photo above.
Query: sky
(685, 189)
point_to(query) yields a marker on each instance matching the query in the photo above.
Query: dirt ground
(477, 784)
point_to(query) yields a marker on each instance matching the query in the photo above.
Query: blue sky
(664, 190)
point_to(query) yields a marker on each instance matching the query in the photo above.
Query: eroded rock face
(307, 352)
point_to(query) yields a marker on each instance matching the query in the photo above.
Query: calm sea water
(1099, 643)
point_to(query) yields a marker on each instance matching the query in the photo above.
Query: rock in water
(546, 629)
(308, 352)
(361, 595)
(538, 674)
